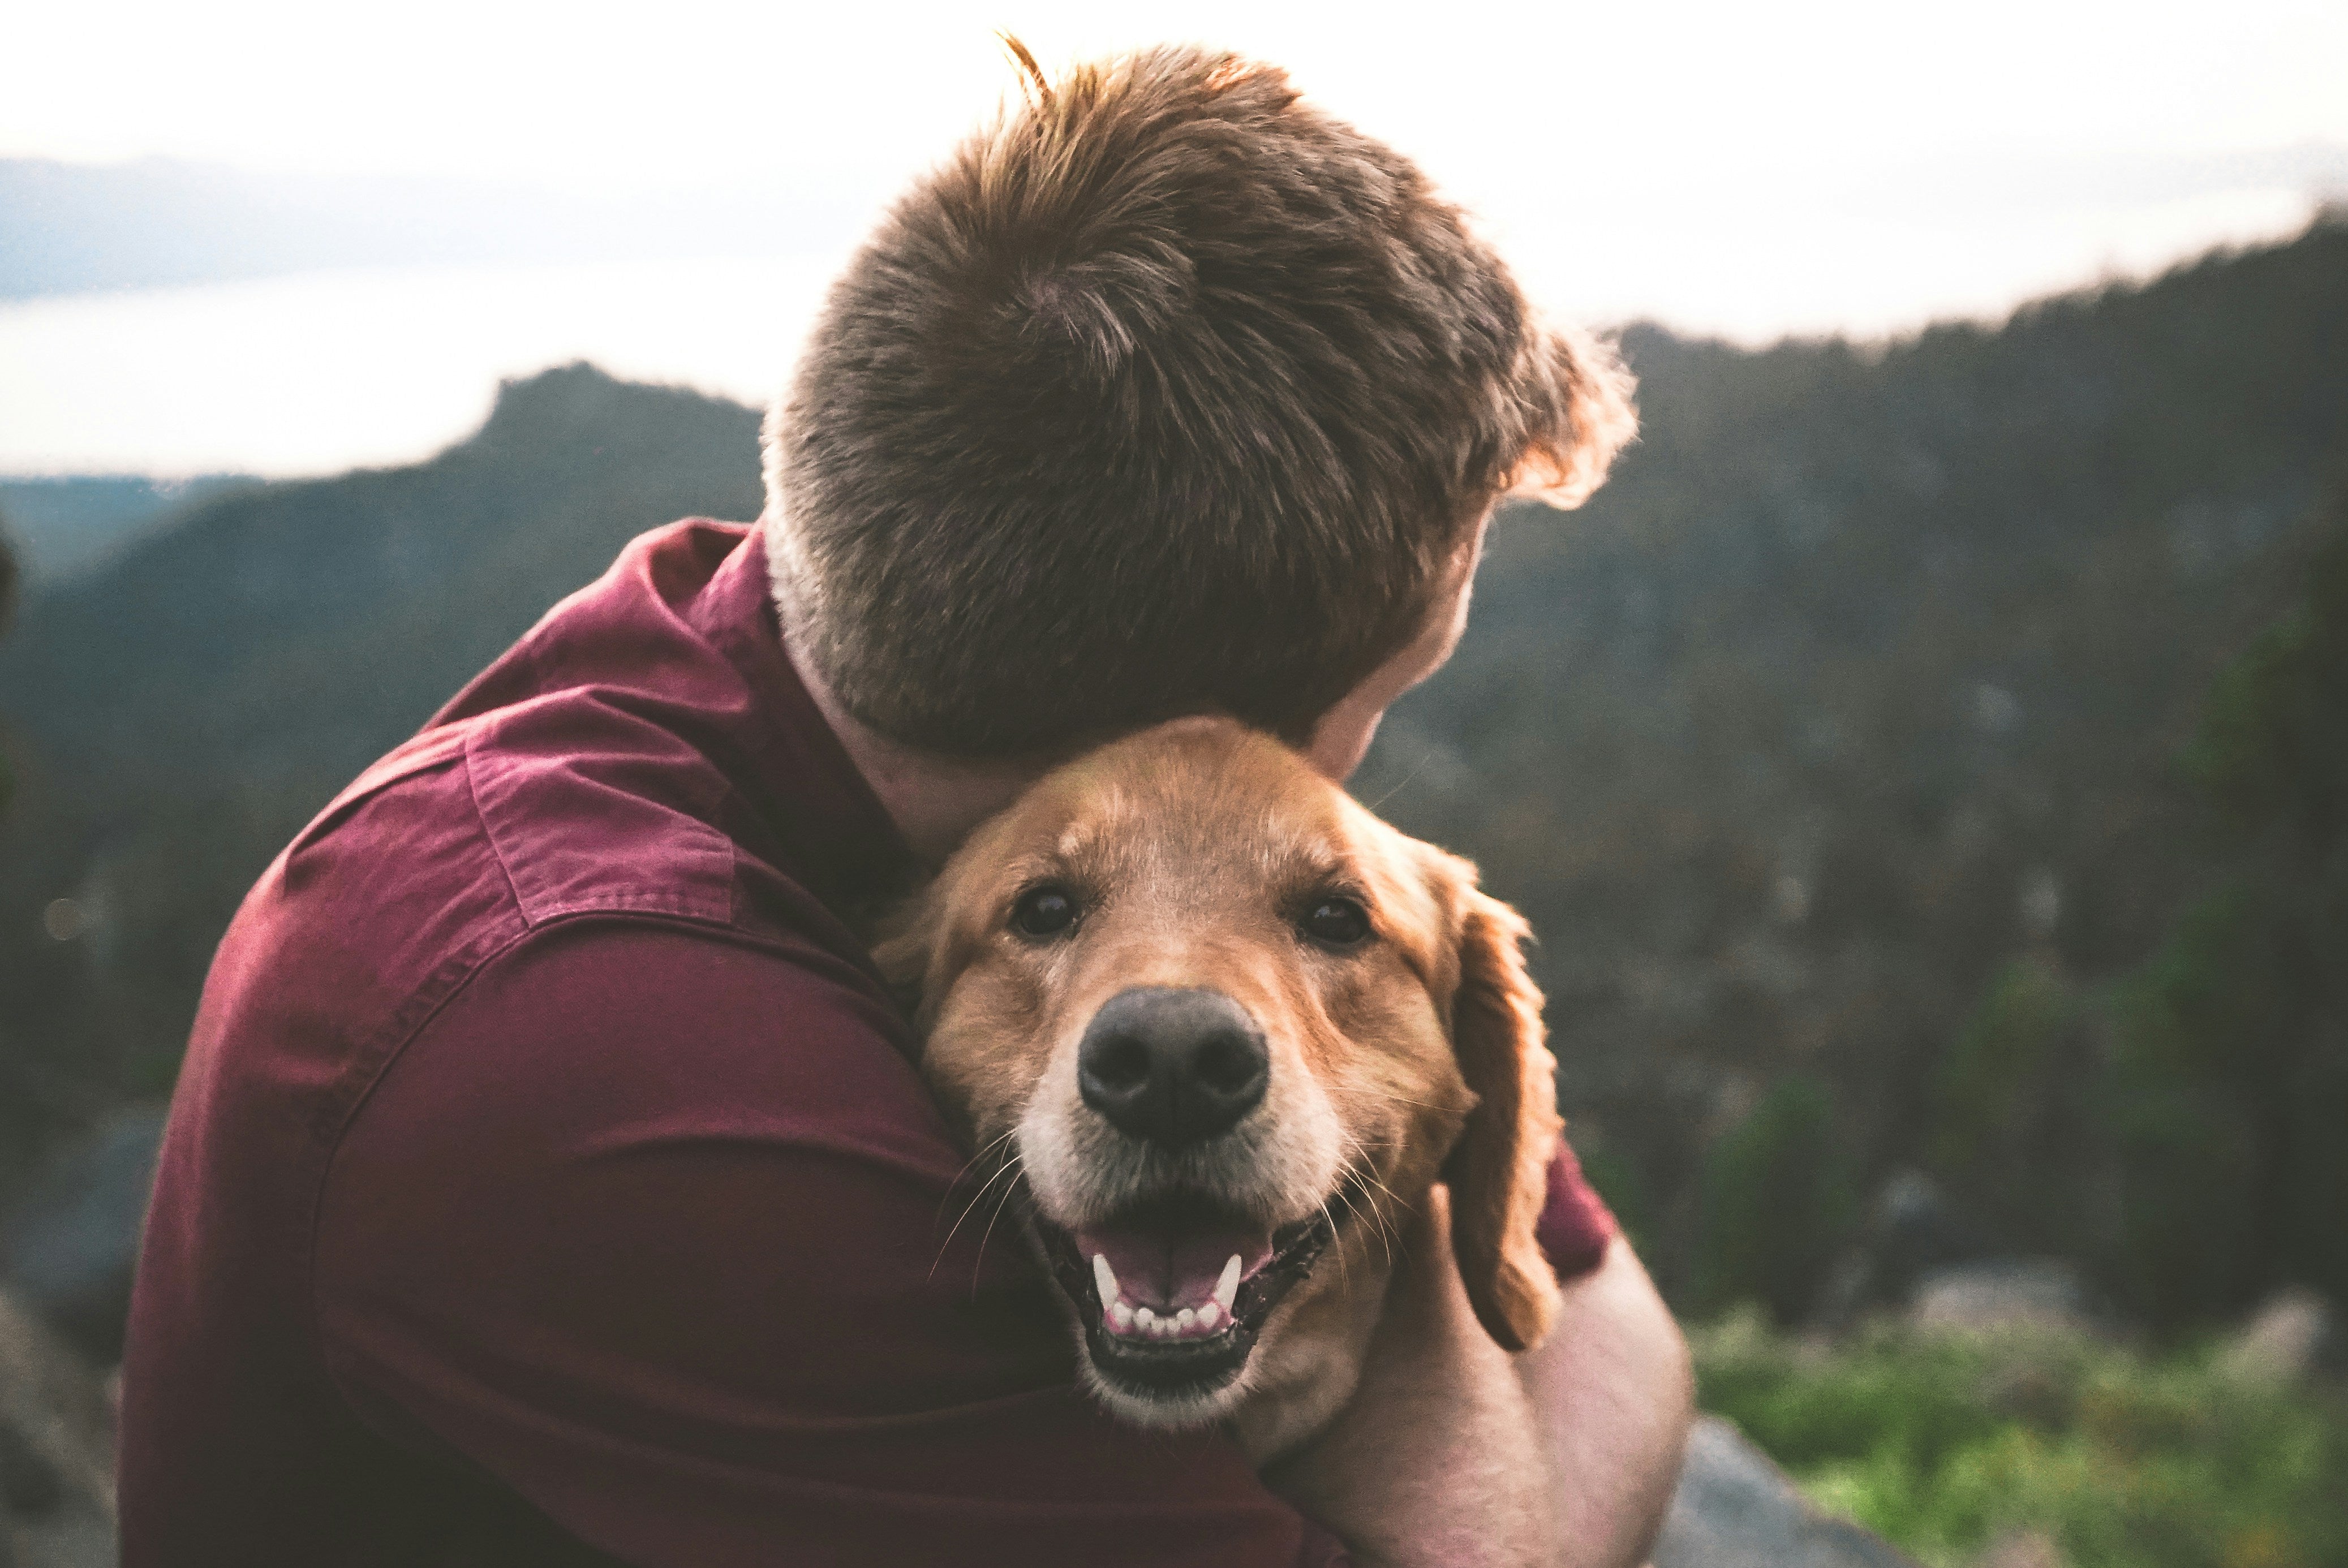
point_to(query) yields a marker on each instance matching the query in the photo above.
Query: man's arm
(1616, 1394)
(655, 1228)
(1454, 1452)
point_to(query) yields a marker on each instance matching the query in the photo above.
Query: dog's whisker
(980, 1196)
(1383, 1225)
(1416, 768)
(971, 1164)
(1009, 1191)
(1375, 1229)
(1006, 1168)
(1011, 1170)
(1360, 1169)
(1345, 1271)
(1396, 1099)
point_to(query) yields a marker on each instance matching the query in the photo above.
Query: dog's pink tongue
(1172, 1269)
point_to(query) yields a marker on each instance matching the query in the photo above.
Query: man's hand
(1616, 1394)
(1453, 1452)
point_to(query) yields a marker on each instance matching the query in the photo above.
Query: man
(550, 1179)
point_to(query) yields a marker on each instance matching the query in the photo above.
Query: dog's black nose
(1172, 1067)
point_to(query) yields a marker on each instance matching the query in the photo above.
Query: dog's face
(1223, 1022)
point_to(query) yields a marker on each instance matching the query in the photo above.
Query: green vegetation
(1945, 1445)
(2182, 1125)
(1778, 1198)
(2230, 1067)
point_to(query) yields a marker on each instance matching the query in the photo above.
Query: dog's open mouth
(1173, 1291)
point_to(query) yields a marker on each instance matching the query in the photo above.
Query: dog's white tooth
(1145, 1318)
(1184, 1318)
(1105, 1277)
(1121, 1316)
(1210, 1315)
(1227, 1290)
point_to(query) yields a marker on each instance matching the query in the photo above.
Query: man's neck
(934, 800)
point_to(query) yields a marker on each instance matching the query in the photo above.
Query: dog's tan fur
(1414, 1057)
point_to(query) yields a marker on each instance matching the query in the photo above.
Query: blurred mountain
(175, 716)
(1833, 748)
(9, 572)
(66, 525)
(69, 228)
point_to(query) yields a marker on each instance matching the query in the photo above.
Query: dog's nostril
(1172, 1067)
(1227, 1064)
(1121, 1064)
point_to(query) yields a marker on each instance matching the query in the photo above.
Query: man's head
(1165, 393)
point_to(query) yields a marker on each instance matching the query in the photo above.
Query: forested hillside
(1838, 752)
(1842, 729)
(66, 525)
(178, 714)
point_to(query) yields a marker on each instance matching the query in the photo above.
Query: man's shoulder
(467, 845)
(509, 854)
(641, 1020)
(591, 809)
(497, 824)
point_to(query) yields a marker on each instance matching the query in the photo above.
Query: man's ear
(1499, 1174)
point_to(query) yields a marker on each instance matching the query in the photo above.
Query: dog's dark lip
(1185, 1368)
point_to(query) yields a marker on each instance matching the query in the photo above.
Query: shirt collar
(834, 828)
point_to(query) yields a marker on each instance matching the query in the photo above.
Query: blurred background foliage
(1954, 1445)
(1924, 760)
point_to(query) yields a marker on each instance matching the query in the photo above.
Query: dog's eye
(1044, 911)
(1340, 922)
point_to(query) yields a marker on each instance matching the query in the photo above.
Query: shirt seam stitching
(488, 833)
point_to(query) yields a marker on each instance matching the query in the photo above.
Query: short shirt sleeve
(1576, 1226)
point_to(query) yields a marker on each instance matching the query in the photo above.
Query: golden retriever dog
(1227, 1031)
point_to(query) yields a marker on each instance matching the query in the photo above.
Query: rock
(2284, 1341)
(57, 1450)
(2003, 1294)
(72, 1544)
(69, 1248)
(2028, 1549)
(1734, 1509)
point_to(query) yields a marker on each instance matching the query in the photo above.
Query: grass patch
(1945, 1445)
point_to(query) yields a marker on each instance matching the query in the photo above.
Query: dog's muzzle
(1173, 1287)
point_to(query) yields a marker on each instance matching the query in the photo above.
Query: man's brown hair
(1166, 393)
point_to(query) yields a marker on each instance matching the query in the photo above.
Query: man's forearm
(1454, 1451)
(1614, 1393)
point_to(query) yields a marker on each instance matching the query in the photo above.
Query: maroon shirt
(550, 1179)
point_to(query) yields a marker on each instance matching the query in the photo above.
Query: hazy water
(315, 373)
(319, 373)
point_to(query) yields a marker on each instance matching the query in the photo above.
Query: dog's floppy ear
(1499, 1172)
(903, 942)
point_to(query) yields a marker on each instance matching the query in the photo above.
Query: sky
(1805, 167)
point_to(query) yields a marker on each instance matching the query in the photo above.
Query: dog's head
(1223, 1020)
